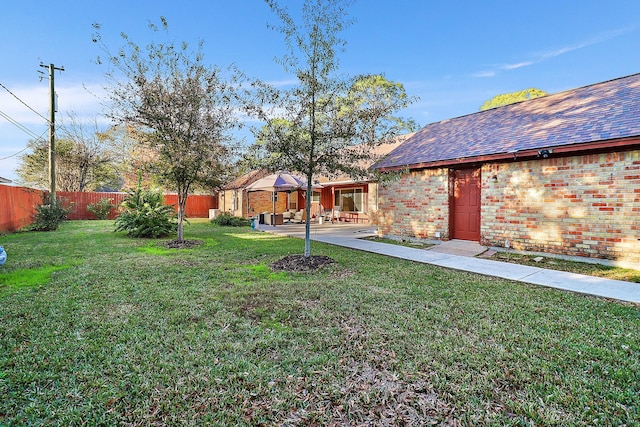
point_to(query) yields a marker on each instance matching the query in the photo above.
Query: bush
(49, 215)
(226, 219)
(101, 209)
(144, 214)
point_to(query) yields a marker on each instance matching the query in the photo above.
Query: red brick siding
(260, 201)
(584, 205)
(416, 205)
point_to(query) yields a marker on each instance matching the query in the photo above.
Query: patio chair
(288, 215)
(326, 215)
(336, 214)
(300, 216)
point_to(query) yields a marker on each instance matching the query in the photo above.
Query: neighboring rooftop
(246, 179)
(379, 152)
(601, 112)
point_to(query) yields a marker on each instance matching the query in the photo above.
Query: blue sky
(453, 55)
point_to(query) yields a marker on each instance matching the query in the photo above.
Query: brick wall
(260, 201)
(583, 206)
(226, 202)
(416, 205)
(586, 206)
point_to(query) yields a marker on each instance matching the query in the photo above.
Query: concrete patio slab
(459, 247)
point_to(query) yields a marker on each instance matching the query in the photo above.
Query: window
(293, 201)
(349, 199)
(234, 201)
(315, 196)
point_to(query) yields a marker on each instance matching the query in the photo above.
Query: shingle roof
(246, 179)
(379, 152)
(603, 111)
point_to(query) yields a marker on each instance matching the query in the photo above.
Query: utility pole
(52, 132)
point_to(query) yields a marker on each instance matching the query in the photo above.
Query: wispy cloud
(518, 65)
(484, 74)
(549, 54)
(599, 38)
(79, 97)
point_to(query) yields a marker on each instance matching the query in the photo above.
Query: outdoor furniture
(327, 215)
(273, 219)
(336, 214)
(288, 215)
(300, 216)
(351, 217)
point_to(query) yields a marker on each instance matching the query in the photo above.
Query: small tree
(101, 208)
(327, 124)
(181, 109)
(50, 214)
(512, 98)
(143, 213)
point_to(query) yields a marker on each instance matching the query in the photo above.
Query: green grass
(551, 263)
(589, 269)
(407, 243)
(27, 277)
(125, 335)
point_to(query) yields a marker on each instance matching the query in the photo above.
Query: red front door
(465, 205)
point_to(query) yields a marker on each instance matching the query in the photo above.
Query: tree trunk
(182, 208)
(307, 225)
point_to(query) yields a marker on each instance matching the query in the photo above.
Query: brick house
(355, 199)
(234, 198)
(558, 174)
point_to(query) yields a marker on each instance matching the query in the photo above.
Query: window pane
(357, 199)
(293, 201)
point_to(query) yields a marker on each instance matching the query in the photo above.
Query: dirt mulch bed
(183, 244)
(301, 264)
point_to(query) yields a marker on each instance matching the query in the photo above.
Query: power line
(15, 154)
(19, 126)
(23, 103)
(25, 148)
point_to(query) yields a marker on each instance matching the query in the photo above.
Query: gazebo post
(273, 199)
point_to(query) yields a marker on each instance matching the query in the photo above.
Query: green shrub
(226, 219)
(49, 214)
(101, 209)
(143, 213)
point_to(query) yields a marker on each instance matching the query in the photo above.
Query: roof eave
(562, 151)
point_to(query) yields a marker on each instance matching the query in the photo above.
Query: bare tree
(83, 160)
(91, 157)
(179, 107)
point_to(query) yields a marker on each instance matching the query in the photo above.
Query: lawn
(100, 329)
(547, 262)
(598, 270)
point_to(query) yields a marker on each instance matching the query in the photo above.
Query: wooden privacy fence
(17, 205)
(80, 201)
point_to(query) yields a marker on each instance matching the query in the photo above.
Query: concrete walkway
(350, 236)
